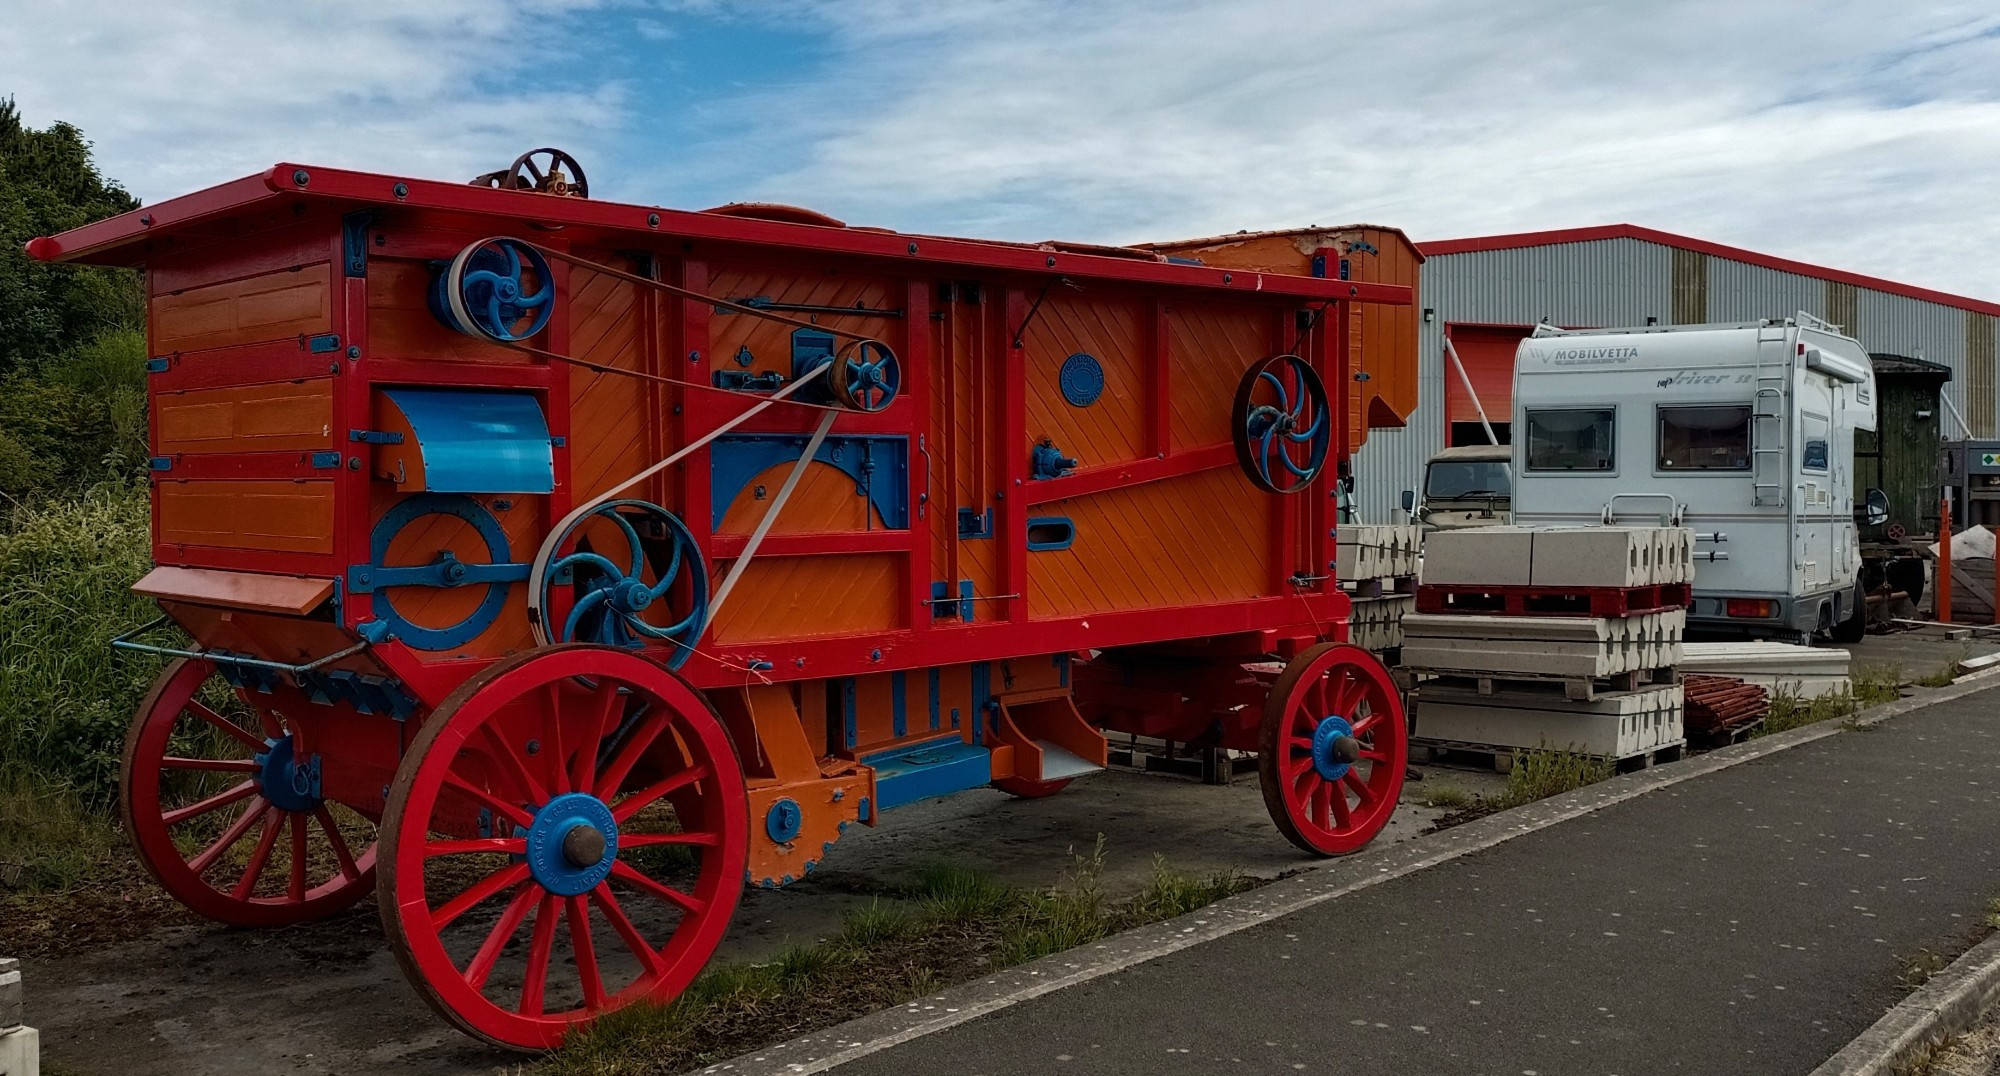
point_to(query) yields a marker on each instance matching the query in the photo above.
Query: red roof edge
(1518, 240)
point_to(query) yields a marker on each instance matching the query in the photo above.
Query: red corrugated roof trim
(1519, 240)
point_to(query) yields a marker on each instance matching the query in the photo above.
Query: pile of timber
(1377, 566)
(1578, 653)
(1724, 708)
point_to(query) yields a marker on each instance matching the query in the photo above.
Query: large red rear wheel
(1332, 749)
(221, 798)
(586, 796)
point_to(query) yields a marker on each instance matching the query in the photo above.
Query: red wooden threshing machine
(563, 566)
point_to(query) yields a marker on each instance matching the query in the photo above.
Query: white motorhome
(1743, 433)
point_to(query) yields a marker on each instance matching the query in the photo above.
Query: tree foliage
(72, 349)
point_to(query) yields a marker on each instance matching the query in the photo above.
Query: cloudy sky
(1860, 135)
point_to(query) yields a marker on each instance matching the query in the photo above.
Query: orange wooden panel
(280, 516)
(289, 594)
(252, 418)
(1191, 540)
(1209, 347)
(826, 500)
(1110, 329)
(796, 597)
(400, 323)
(609, 411)
(1385, 340)
(423, 539)
(270, 306)
(769, 343)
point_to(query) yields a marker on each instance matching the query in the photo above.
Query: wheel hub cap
(289, 784)
(634, 596)
(572, 844)
(1334, 748)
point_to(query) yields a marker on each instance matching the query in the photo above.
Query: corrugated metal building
(1488, 293)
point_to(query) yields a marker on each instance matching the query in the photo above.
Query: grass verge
(1536, 775)
(950, 924)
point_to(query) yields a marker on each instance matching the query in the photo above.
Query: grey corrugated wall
(1611, 282)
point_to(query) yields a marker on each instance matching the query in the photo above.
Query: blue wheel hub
(290, 785)
(784, 820)
(572, 844)
(1327, 748)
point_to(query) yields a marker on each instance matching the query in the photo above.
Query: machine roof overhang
(134, 238)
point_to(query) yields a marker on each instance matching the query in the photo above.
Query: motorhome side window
(1715, 438)
(1812, 447)
(1571, 439)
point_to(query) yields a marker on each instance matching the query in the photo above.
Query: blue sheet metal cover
(479, 441)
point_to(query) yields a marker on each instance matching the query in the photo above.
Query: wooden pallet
(1385, 587)
(1552, 601)
(1574, 688)
(1501, 759)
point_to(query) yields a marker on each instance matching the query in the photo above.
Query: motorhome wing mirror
(1409, 500)
(1875, 508)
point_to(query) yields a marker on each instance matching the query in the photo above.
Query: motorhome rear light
(1750, 608)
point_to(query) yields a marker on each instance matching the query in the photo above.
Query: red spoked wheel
(221, 799)
(540, 796)
(1333, 749)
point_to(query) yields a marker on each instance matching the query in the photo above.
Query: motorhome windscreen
(1451, 480)
(1705, 438)
(1571, 439)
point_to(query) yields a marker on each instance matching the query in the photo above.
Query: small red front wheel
(1332, 749)
(221, 798)
(584, 795)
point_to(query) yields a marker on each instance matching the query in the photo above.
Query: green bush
(75, 420)
(66, 571)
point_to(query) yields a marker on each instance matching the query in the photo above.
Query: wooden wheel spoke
(630, 875)
(233, 794)
(497, 938)
(296, 889)
(508, 845)
(512, 762)
(1366, 725)
(202, 711)
(535, 980)
(585, 951)
(200, 863)
(478, 891)
(1296, 768)
(348, 869)
(639, 800)
(629, 753)
(260, 856)
(584, 773)
(1337, 800)
(1362, 792)
(643, 840)
(1322, 798)
(555, 761)
(223, 765)
(513, 813)
(614, 913)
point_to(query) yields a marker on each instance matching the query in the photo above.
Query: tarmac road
(1750, 921)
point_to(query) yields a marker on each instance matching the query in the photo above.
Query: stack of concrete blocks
(20, 1047)
(1524, 681)
(1377, 565)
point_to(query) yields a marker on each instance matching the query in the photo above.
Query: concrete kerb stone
(823, 1050)
(1952, 1001)
(20, 1047)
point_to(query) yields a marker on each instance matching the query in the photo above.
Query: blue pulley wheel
(496, 289)
(633, 575)
(865, 376)
(1282, 424)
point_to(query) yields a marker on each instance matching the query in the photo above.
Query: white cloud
(1859, 135)
(1864, 136)
(178, 95)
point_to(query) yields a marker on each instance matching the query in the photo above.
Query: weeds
(1873, 685)
(1788, 711)
(1448, 797)
(957, 924)
(1947, 673)
(1918, 969)
(1544, 772)
(50, 840)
